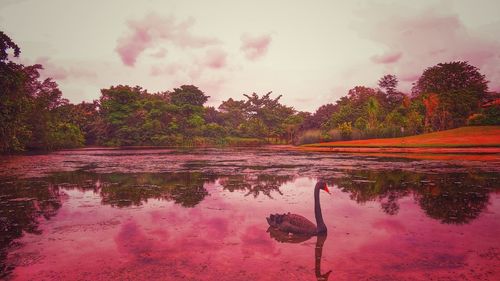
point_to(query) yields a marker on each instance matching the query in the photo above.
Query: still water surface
(201, 215)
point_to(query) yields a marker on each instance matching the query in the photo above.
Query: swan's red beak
(326, 189)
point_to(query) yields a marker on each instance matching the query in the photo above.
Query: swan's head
(322, 185)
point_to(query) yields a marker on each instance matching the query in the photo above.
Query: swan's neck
(320, 224)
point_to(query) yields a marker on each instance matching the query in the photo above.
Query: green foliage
(270, 113)
(451, 77)
(361, 124)
(195, 121)
(310, 136)
(85, 116)
(214, 130)
(292, 125)
(131, 116)
(344, 114)
(488, 116)
(388, 82)
(5, 44)
(15, 101)
(372, 110)
(33, 114)
(253, 128)
(233, 113)
(30, 115)
(188, 94)
(65, 135)
(414, 123)
(345, 130)
(458, 88)
(394, 124)
(321, 116)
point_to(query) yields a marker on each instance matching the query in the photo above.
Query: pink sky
(311, 53)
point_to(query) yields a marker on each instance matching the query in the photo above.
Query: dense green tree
(253, 128)
(458, 88)
(233, 113)
(389, 83)
(363, 106)
(14, 101)
(393, 123)
(65, 135)
(211, 115)
(487, 116)
(34, 114)
(7, 44)
(120, 108)
(29, 107)
(214, 130)
(85, 116)
(188, 94)
(372, 110)
(320, 117)
(270, 111)
(292, 125)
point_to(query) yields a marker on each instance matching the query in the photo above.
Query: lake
(166, 214)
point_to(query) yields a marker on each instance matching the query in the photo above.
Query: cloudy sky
(311, 52)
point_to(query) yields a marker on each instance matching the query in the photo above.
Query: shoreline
(489, 154)
(404, 150)
(335, 149)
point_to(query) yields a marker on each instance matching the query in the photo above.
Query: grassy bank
(464, 137)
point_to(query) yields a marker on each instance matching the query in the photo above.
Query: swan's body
(299, 225)
(292, 223)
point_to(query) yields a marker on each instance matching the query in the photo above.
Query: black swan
(299, 225)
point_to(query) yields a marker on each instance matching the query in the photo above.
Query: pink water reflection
(224, 238)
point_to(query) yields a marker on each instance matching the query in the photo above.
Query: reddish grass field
(480, 136)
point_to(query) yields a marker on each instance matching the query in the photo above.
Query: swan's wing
(298, 223)
(292, 223)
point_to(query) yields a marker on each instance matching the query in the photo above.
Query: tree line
(35, 116)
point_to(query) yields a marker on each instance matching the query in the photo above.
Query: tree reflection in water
(456, 199)
(452, 198)
(22, 205)
(186, 189)
(255, 184)
(124, 190)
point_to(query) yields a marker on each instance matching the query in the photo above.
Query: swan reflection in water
(293, 228)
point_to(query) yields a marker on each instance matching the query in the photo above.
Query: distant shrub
(345, 130)
(166, 140)
(361, 123)
(332, 135)
(309, 136)
(317, 136)
(214, 130)
(201, 142)
(489, 116)
(65, 135)
(356, 134)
